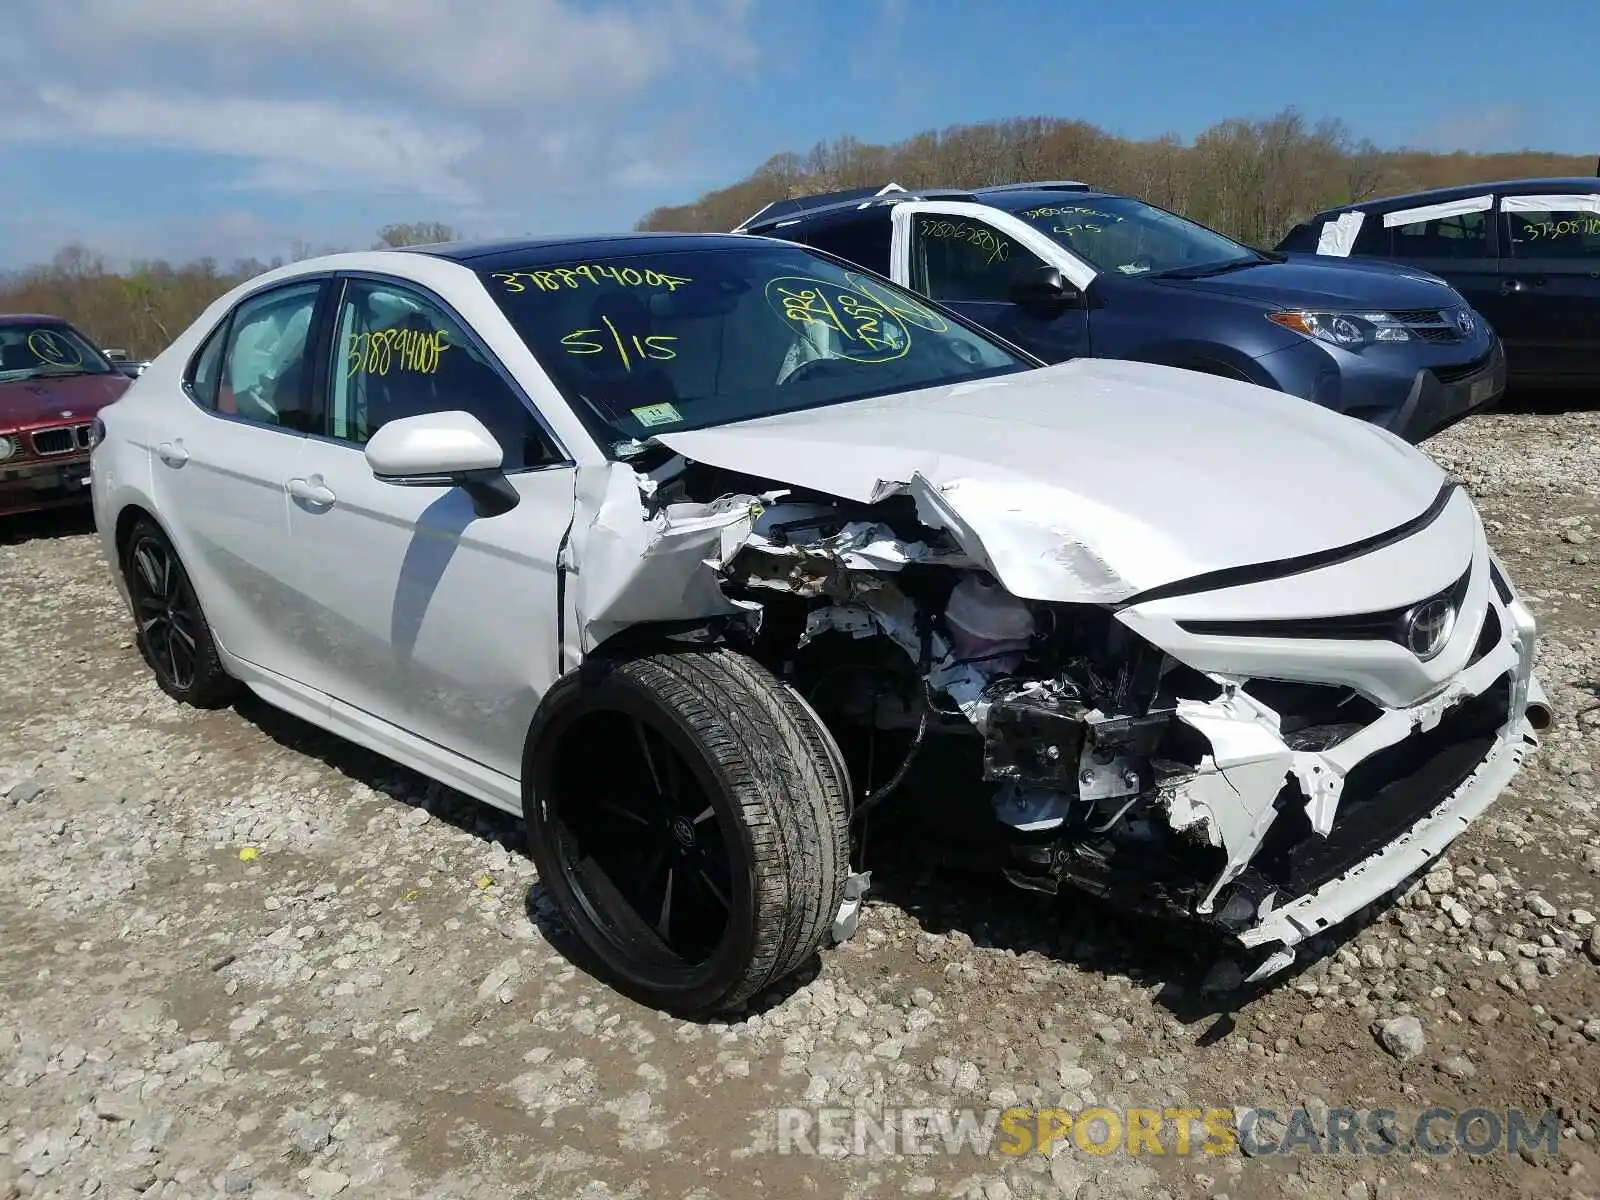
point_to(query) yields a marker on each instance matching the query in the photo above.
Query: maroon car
(53, 380)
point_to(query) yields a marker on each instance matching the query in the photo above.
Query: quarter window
(397, 354)
(264, 375)
(205, 372)
(1554, 234)
(957, 259)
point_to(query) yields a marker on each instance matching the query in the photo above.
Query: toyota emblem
(1464, 322)
(1428, 628)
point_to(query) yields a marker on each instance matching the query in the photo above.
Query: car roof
(492, 255)
(1016, 199)
(797, 210)
(1509, 187)
(31, 319)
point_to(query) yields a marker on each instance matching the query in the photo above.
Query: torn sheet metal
(631, 568)
(1437, 212)
(1572, 203)
(1338, 236)
(1008, 526)
(1093, 480)
(1230, 800)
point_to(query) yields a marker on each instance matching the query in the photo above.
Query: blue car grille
(1428, 324)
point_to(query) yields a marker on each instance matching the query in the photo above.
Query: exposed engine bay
(1268, 807)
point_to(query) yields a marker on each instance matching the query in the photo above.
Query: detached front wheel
(688, 815)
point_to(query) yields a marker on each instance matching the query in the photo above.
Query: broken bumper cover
(1402, 858)
(1380, 805)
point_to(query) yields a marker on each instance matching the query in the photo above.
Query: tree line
(1250, 179)
(141, 309)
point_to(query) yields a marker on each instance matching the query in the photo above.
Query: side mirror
(1043, 288)
(446, 449)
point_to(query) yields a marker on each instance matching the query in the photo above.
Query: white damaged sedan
(699, 552)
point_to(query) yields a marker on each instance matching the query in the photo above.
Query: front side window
(1463, 235)
(1130, 237)
(47, 349)
(683, 339)
(265, 375)
(398, 354)
(961, 259)
(1553, 234)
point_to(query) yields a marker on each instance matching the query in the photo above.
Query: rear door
(1550, 286)
(221, 464)
(968, 256)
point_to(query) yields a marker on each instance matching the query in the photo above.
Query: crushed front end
(1265, 750)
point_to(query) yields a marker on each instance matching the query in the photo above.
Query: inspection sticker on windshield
(656, 414)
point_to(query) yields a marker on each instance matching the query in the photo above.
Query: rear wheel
(689, 816)
(171, 630)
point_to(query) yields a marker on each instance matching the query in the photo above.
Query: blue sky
(250, 127)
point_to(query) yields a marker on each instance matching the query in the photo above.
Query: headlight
(8, 447)
(97, 433)
(1350, 330)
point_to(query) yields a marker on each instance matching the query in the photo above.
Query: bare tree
(1249, 178)
(414, 233)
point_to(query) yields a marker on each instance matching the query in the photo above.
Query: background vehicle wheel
(690, 818)
(172, 633)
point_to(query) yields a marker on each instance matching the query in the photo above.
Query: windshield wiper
(1202, 272)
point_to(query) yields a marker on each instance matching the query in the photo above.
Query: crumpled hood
(1097, 479)
(1329, 283)
(28, 402)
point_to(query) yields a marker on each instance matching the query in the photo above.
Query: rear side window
(1553, 235)
(264, 373)
(1464, 235)
(1373, 239)
(863, 240)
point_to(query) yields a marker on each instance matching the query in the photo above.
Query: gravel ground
(242, 957)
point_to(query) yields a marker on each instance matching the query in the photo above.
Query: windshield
(29, 350)
(1118, 233)
(648, 343)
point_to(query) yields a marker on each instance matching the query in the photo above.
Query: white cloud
(476, 106)
(290, 144)
(487, 53)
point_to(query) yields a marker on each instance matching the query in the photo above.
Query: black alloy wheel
(689, 819)
(171, 630)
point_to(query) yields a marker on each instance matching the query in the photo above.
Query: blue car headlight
(1348, 329)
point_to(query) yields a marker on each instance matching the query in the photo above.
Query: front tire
(171, 631)
(689, 817)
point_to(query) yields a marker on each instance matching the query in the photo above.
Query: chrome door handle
(312, 492)
(172, 453)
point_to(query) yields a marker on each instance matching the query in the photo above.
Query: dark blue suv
(1068, 272)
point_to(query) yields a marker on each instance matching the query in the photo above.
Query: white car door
(220, 464)
(415, 610)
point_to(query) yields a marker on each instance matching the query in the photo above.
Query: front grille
(1455, 374)
(1387, 626)
(1428, 324)
(60, 441)
(1384, 795)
